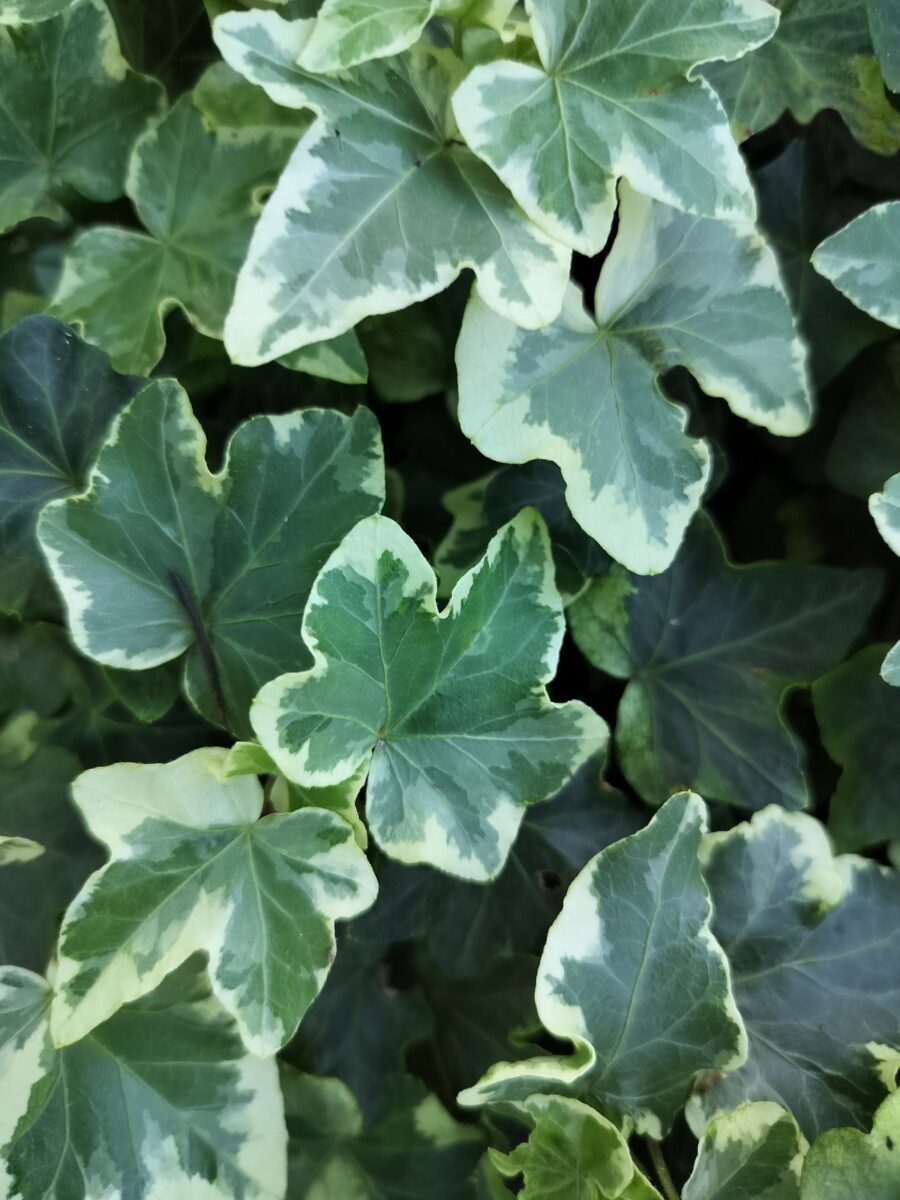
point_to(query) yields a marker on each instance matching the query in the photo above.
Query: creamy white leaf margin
(348, 32)
(264, 973)
(862, 260)
(380, 204)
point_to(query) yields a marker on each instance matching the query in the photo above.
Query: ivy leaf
(573, 1153)
(858, 716)
(348, 32)
(57, 399)
(584, 393)
(813, 943)
(710, 649)
(71, 110)
(885, 509)
(195, 193)
(17, 850)
(19, 12)
(449, 710)
(218, 565)
(192, 867)
(845, 1163)
(884, 25)
(820, 57)
(415, 1150)
(633, 977)
(161, 1101)
(754, 1152)
(614, 97)
(862, 260)
(798, 209)
(352, 230)
(35, 806)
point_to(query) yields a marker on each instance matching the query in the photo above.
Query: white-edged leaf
(193, 867)
(584, 393)
(380, 205)
(754, 1152)
(862, 260)
(448, 711)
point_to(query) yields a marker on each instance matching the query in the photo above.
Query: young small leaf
(845, 1163)
(449, 709)
(754, 1152)
(633, 977)
(862, 260)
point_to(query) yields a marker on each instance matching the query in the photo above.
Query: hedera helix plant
(449, 508)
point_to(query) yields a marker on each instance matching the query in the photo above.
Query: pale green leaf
(710, 651)
(71, 109)
(633, 977)
(341, 359)
(675, 290)
(613, 98)
(862, 260)
(193, 867)
(415, 1150)
(845, 1164)
(196, 194)
(814, 946)
(448, 711)
(754, 1152)
(859, 716)
(885, 509)
(348, 32)
(380, 205)
(573, 1153)
(219, 565)
(57, 399)
(18, 850)
(160, 1103)
(820, 57)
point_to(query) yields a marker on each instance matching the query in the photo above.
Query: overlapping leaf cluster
(445, 751)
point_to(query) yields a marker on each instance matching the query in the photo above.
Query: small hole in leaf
(889, 1142)
(550, 881)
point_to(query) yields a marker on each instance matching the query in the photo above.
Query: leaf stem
(654, 1149)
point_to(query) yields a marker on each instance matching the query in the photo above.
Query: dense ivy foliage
(449, 662)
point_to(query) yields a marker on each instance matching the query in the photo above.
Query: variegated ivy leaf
(193, 867)
(814, 946)
(196, 194)
(57, 399)
(845, 1164)
(71, 110)
(633, 977)
(415, 1150)
(820, 57)
(710, 651)
(161, 556)
(884, 26)
(754, 1152)
(885, 508)
(573, 1153)
(380, 205)
(862, 260)
(614, 98)
(348, 32)
(858, 716)
(449, 711)
(584, 392)
(162, 1102)
(17, 850)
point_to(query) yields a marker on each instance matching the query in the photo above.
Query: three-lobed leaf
(161, 556)
(584, 392)
(193, 867)
(449, 710)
